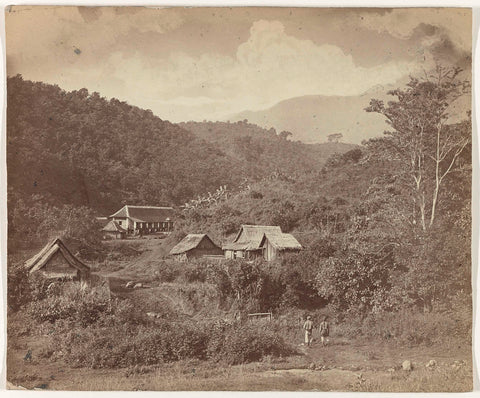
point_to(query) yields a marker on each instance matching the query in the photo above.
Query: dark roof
(145, 213)
(191, 241)
(282, 241)
(43, 256)
(113, 226)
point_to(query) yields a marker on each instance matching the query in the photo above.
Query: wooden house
(55, 261)
(247, 242)
(195, 246)
(113, 230)
(274, 245)
(260, 241)
(144, 220)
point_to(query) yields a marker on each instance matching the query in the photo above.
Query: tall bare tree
(421, 140)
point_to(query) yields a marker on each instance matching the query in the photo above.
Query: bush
(73, 301)
(245, 343)
(126, 345)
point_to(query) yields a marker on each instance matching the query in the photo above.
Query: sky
(210, 63)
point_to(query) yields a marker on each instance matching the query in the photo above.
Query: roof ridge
(260, 226)
(149, 207)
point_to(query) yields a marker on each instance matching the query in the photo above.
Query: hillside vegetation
(72, 150)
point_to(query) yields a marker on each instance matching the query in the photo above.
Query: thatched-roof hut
(55, 261)
(247, 242)
(254, 241)
(194, 246)
(276, 244)
(113, 231)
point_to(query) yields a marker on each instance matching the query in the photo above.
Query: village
(252, 242)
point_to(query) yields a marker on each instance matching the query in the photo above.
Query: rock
(138, 285)
(391, 370)
(311, 366)
(407, 365)
(151, 314)
(431, 364)
(130, 284)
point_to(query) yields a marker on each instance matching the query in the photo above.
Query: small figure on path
(28, 356)
(324, 331)
(308, 327)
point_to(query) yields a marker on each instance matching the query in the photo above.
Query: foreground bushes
(93, 330)
(126, 345)
(245, 343)
(73, 301)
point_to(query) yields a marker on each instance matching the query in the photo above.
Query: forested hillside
(72, 150)
(264, 150)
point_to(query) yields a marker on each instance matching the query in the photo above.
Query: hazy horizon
(211, 63)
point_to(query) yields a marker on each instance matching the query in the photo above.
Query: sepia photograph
(239, 199)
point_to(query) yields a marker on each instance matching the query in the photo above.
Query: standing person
(324, 331)
(308, 327)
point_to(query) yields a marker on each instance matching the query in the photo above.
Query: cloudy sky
(209, 63)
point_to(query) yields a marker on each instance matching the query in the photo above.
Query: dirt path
(143, 265)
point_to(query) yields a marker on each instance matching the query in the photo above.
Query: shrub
(245, 343)
(126, 345)
(73, 301)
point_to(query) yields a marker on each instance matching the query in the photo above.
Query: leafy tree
(422, 144)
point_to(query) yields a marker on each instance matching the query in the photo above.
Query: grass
(446, 378)
(347, 365)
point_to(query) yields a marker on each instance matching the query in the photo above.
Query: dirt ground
(341, 366)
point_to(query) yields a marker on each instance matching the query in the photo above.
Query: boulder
(431, 364)
(407, 365)
(151, 314)
(130, 284)
(138, 285)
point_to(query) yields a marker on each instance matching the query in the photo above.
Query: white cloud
(269, 67)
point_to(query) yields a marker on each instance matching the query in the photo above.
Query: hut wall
(113, 235)
(269, 252)
(205, 251)
(57, 265)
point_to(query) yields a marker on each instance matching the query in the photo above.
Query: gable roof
(113, 226)
(43, 256)
(255, 232)
(191, 241)
(282, 241)
(145, 213)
